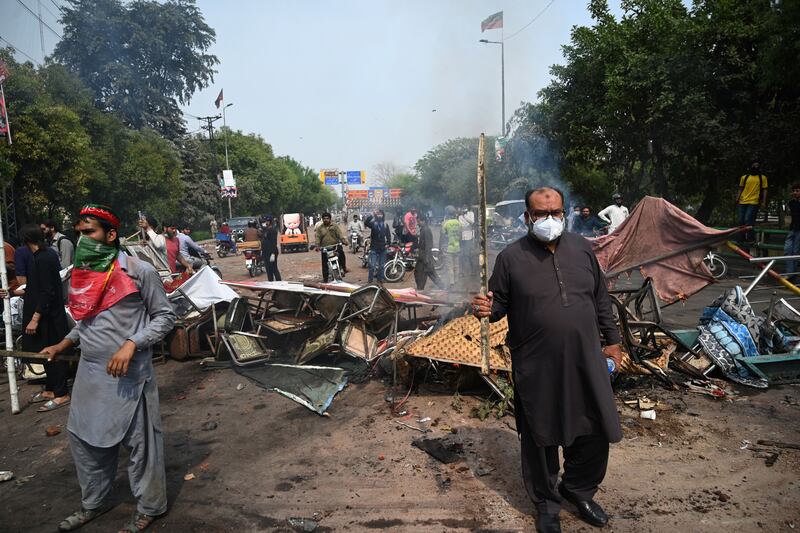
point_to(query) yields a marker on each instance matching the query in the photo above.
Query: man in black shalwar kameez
(553, 292)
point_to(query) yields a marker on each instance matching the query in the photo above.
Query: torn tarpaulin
(666, 244)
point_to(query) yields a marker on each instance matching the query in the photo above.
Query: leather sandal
(79, 518)
(138, 522)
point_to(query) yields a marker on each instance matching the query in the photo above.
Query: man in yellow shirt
(752, 194)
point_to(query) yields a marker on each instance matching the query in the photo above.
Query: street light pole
(502, 80)
(227, 165)
(503, 83)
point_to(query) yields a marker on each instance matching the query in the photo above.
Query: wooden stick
(783, 281)
(484, 256)
(36, 355)
(778, 444)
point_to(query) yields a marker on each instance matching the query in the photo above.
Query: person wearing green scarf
(122, 310)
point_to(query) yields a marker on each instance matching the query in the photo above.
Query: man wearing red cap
(122, 310)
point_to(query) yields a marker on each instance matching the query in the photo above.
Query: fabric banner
(91, 292)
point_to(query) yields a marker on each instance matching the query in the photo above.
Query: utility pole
(41, 27)
(209, 127)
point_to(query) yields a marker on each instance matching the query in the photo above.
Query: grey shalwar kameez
(558, 308)
(107, 411)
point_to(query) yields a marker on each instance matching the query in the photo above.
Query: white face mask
(546, 229)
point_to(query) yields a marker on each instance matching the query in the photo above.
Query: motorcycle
(332, 256)
(365, 254)
(355, 240)
(500, 237)
(225, 245)
(716, 265)
(207, 258)
(254, 262)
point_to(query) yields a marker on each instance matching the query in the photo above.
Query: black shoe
(589, 510)
(548, 523)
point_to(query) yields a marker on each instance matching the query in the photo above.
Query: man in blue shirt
(190, 250)
(587, 224)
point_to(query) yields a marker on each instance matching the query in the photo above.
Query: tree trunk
(658, 169)
(710, 199)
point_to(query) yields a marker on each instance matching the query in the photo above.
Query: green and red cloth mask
(97, 281)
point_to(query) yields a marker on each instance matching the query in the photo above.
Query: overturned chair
(244, 347)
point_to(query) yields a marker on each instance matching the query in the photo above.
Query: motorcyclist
(356, 226)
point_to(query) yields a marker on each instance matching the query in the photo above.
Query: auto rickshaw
(293, 236)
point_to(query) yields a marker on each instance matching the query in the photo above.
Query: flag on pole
(492, 22)
(5, 128)
(500, 148)
(218, 101)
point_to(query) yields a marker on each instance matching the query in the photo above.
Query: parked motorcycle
(207, 258)
(716, 265)
(500, 237)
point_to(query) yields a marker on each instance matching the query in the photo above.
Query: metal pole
(795, 289)
(227, 165)
(483, 252)
(225, 125)
(503, 83)
(759, 277)
(10, 361)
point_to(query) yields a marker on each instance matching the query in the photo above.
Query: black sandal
(139, 522)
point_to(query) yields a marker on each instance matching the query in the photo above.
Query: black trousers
(585, 463)
(421, 274)
(56, 376)
(272, 270)
(342, 264)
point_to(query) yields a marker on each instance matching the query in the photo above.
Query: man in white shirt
(469, 256)
(615, 214)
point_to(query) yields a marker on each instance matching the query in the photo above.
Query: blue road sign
(355, 177)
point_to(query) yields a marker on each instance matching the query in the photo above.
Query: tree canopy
(140, 59)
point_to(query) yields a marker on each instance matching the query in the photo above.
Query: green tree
(140, 59)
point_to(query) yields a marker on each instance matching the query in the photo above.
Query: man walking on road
(122, 311)
(425, 268)
(615, 214)
(450, 244)
(379, 237)
(550, 286)
(269, 249)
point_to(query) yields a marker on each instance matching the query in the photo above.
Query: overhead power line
(48, 10)
(539, 14)
(60, 8)
(20, 51)
(37, 17)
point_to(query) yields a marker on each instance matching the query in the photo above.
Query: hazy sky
(349, 84)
